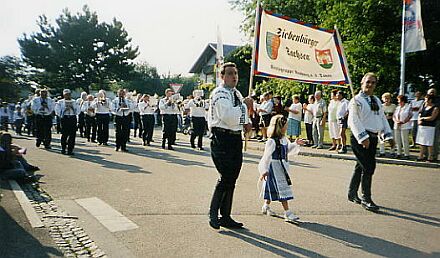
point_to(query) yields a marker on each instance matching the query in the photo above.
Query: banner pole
(345, 61)
(251, 75)
(402, 54)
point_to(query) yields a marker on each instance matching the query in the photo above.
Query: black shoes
(369, 205)
(355, 199)
(214, 223)
(228, 222)
(343, 150)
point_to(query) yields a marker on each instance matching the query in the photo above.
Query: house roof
(209, 51)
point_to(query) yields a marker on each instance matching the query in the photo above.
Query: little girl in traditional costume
(274, 168)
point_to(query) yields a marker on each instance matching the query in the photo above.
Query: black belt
(68, 116)
(371, 134)
(225, 131)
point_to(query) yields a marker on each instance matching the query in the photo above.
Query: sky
(171, 34)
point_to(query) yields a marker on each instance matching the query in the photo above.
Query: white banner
(414, 38)
(290, 49)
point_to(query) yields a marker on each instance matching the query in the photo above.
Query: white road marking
(28, 210)
(106, 215)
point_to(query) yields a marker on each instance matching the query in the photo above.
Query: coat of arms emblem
(324, 58)
(272, 45)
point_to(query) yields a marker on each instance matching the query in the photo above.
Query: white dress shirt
(168, 109)
(342, 108)
(89, 108)
(362, 119)
(401, 114)
(297, 107)
(103, 106)
(118, 108)
(39, 109)
(146, 109)
(197, 108)
(66, 108)
(223, 113)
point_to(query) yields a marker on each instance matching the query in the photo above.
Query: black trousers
(102, 121)
(364, 168)
(169, 128)
(90, 128)
(226, 152)
(81, 123)
(30, 128)
(198, 126)
(68, 132)
(43, 126)
(122, 131)
(148, 126)
(137, 123)
(309, 132)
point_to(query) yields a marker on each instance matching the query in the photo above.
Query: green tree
(79, 51)
(13, 78)
(145, 79)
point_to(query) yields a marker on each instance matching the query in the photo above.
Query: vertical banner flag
(218, 57)
(412, 22)
(290, 49)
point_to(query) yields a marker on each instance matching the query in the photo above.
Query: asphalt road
(167, 194)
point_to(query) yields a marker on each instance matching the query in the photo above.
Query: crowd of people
(413, 121)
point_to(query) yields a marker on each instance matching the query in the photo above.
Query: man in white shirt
(67, 110)
(319, 119)
(197, 111)
(367, 122)
(121, 108)
(103, 110)
(147, 106)
(226, 119)
(169, 109)
(43, 108)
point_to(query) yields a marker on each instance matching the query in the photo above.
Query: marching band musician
(67, 109)
(29, 116)
(103, 109)
(136, 115)
(81, 116)
(226, 119)
(367, 122)
(42, 108)
(197, 111)
(147, 107)
(169, 109)
(121, 108)
(89, 109)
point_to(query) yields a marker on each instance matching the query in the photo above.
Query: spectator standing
(388, 108)
(265, 111)
(402, 125)
(308, 119)
(426, 132)
(416, 104)
(342, 114)
(436, 102)
(319, 118)
(333, 125)
(4, 116)
(294, 119)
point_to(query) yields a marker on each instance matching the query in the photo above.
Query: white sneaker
(290, 217)
(266, 210)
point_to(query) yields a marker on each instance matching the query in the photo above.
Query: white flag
(412, 22)
(219, 57)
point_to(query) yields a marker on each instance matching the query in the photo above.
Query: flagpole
(251, 76)
(402, 54)
(344, 59)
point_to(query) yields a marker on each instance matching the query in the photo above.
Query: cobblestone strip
(71, 239)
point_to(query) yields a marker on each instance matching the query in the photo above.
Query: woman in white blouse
(402, 125)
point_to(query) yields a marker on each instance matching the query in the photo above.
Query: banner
(413, 27)
(290, 49)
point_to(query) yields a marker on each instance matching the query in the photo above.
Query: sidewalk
(325, 153)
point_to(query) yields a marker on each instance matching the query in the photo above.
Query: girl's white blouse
(264, 164)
